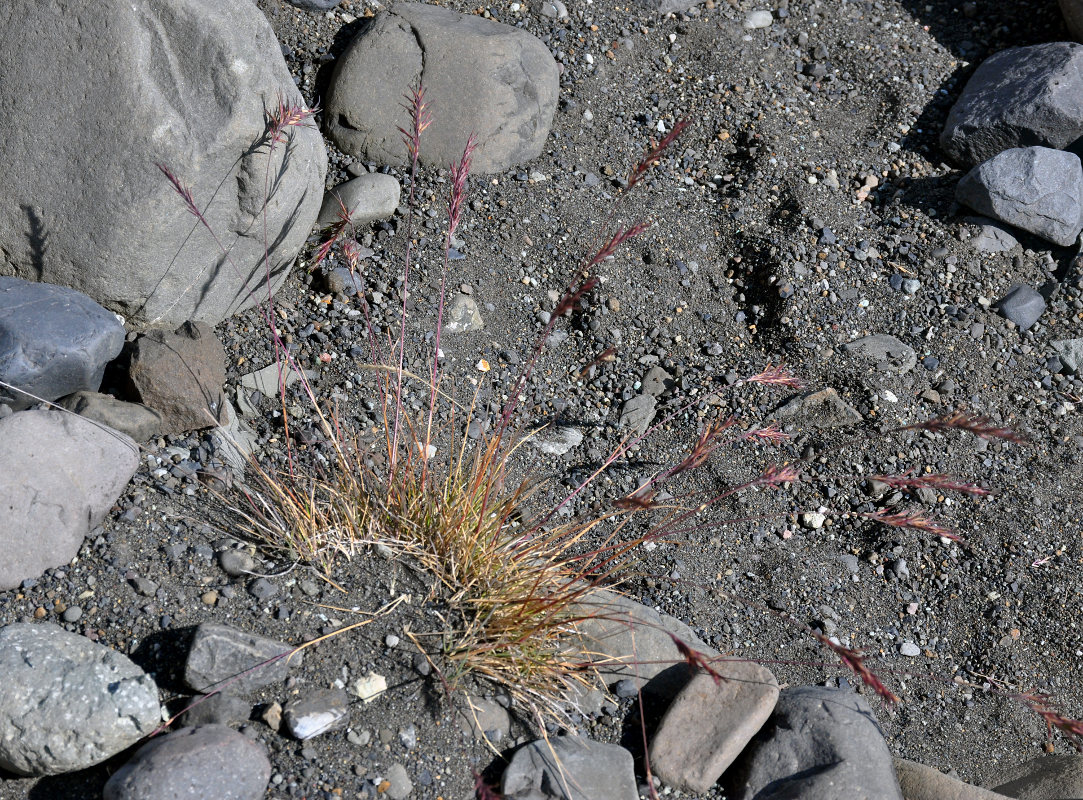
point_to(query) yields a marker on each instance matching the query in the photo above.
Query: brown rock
(919, 782)
(180, 375)
(710, 722)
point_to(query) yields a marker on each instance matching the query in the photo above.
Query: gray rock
(366, 199)
(992, 237)
(1047, 777)
(631, 641)
(637, 413)
(1035, 189)
(236, 563)
(186, 86)
(314, 5)
(886, 352)
(133, 419)
(194, 764)
(1022, 305)
(497, 82)
(401, 785)
(233, 442)
(216, 709)
(663, 7)
(180, 375)
(919, 782)
(758, 19)
(483, 718)
(59, 475)
(68, 703)
(553, 9)
(709, 723)
(1019, 97)
(656, 382)
(53, 341)
(556, 440)
(569, 768)
(822, 409)
(316, 712)
(341, 280)
(218, 654)
(462, 314)
(1070, 352)
(819, 744)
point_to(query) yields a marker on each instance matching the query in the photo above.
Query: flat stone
(484, 718)
(219, 654)
(630, 641)
(992, 236)
(187, 86)
(1048, 777)
(1022, 305)
(194, 764)
(401, 785)
(556, 440)
(217, 709)
(569, 768)
(919, 782)
(1070, 352)
(1018, 97)
(133, 419)
(68, 703)
(822, 409)
(59, 476)
(316, 712)
(1035, 189)
(462, 314)
(710, 722)
(656, 382)
(53, 341)
(180, 375)
(886, 352)
(367, 198)
(482, 77)
(819, 744)
(637, 413)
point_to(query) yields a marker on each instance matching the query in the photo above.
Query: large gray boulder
(66, 702)
(1037, 189)
(480, 77)
(59, 475)
(109, 91)
(1020, 97)
(53, 341)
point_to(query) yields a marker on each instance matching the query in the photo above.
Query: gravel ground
(808, 205)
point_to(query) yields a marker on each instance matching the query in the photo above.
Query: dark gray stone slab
(1022, 305)
(219, 654)
(53, 341)
(1019, 97)
(569, 768)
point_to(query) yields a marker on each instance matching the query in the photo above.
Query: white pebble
(758, 19)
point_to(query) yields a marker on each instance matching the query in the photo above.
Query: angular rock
(314, 5)
(569, 768)
(462, 315)
(194, 764)
(186, 85)
(133, 419)
(1070, 352)
(886, 352)
(556, 440)
(819, 744)
(219, 654)
(919, 782)
(709, 723)
(180, 375)
(316, 712)
(233, 443)
(68, 703)
(1033, 188)
(483, 718)
(628, 640)
(1022, 305)
(59, 475)
(482, 77)
(637, 413)
(1042, 778)
(366, 199)
(53, 341)
(822, 409)
(1019, 97)
(992, 237)
(216, 709)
